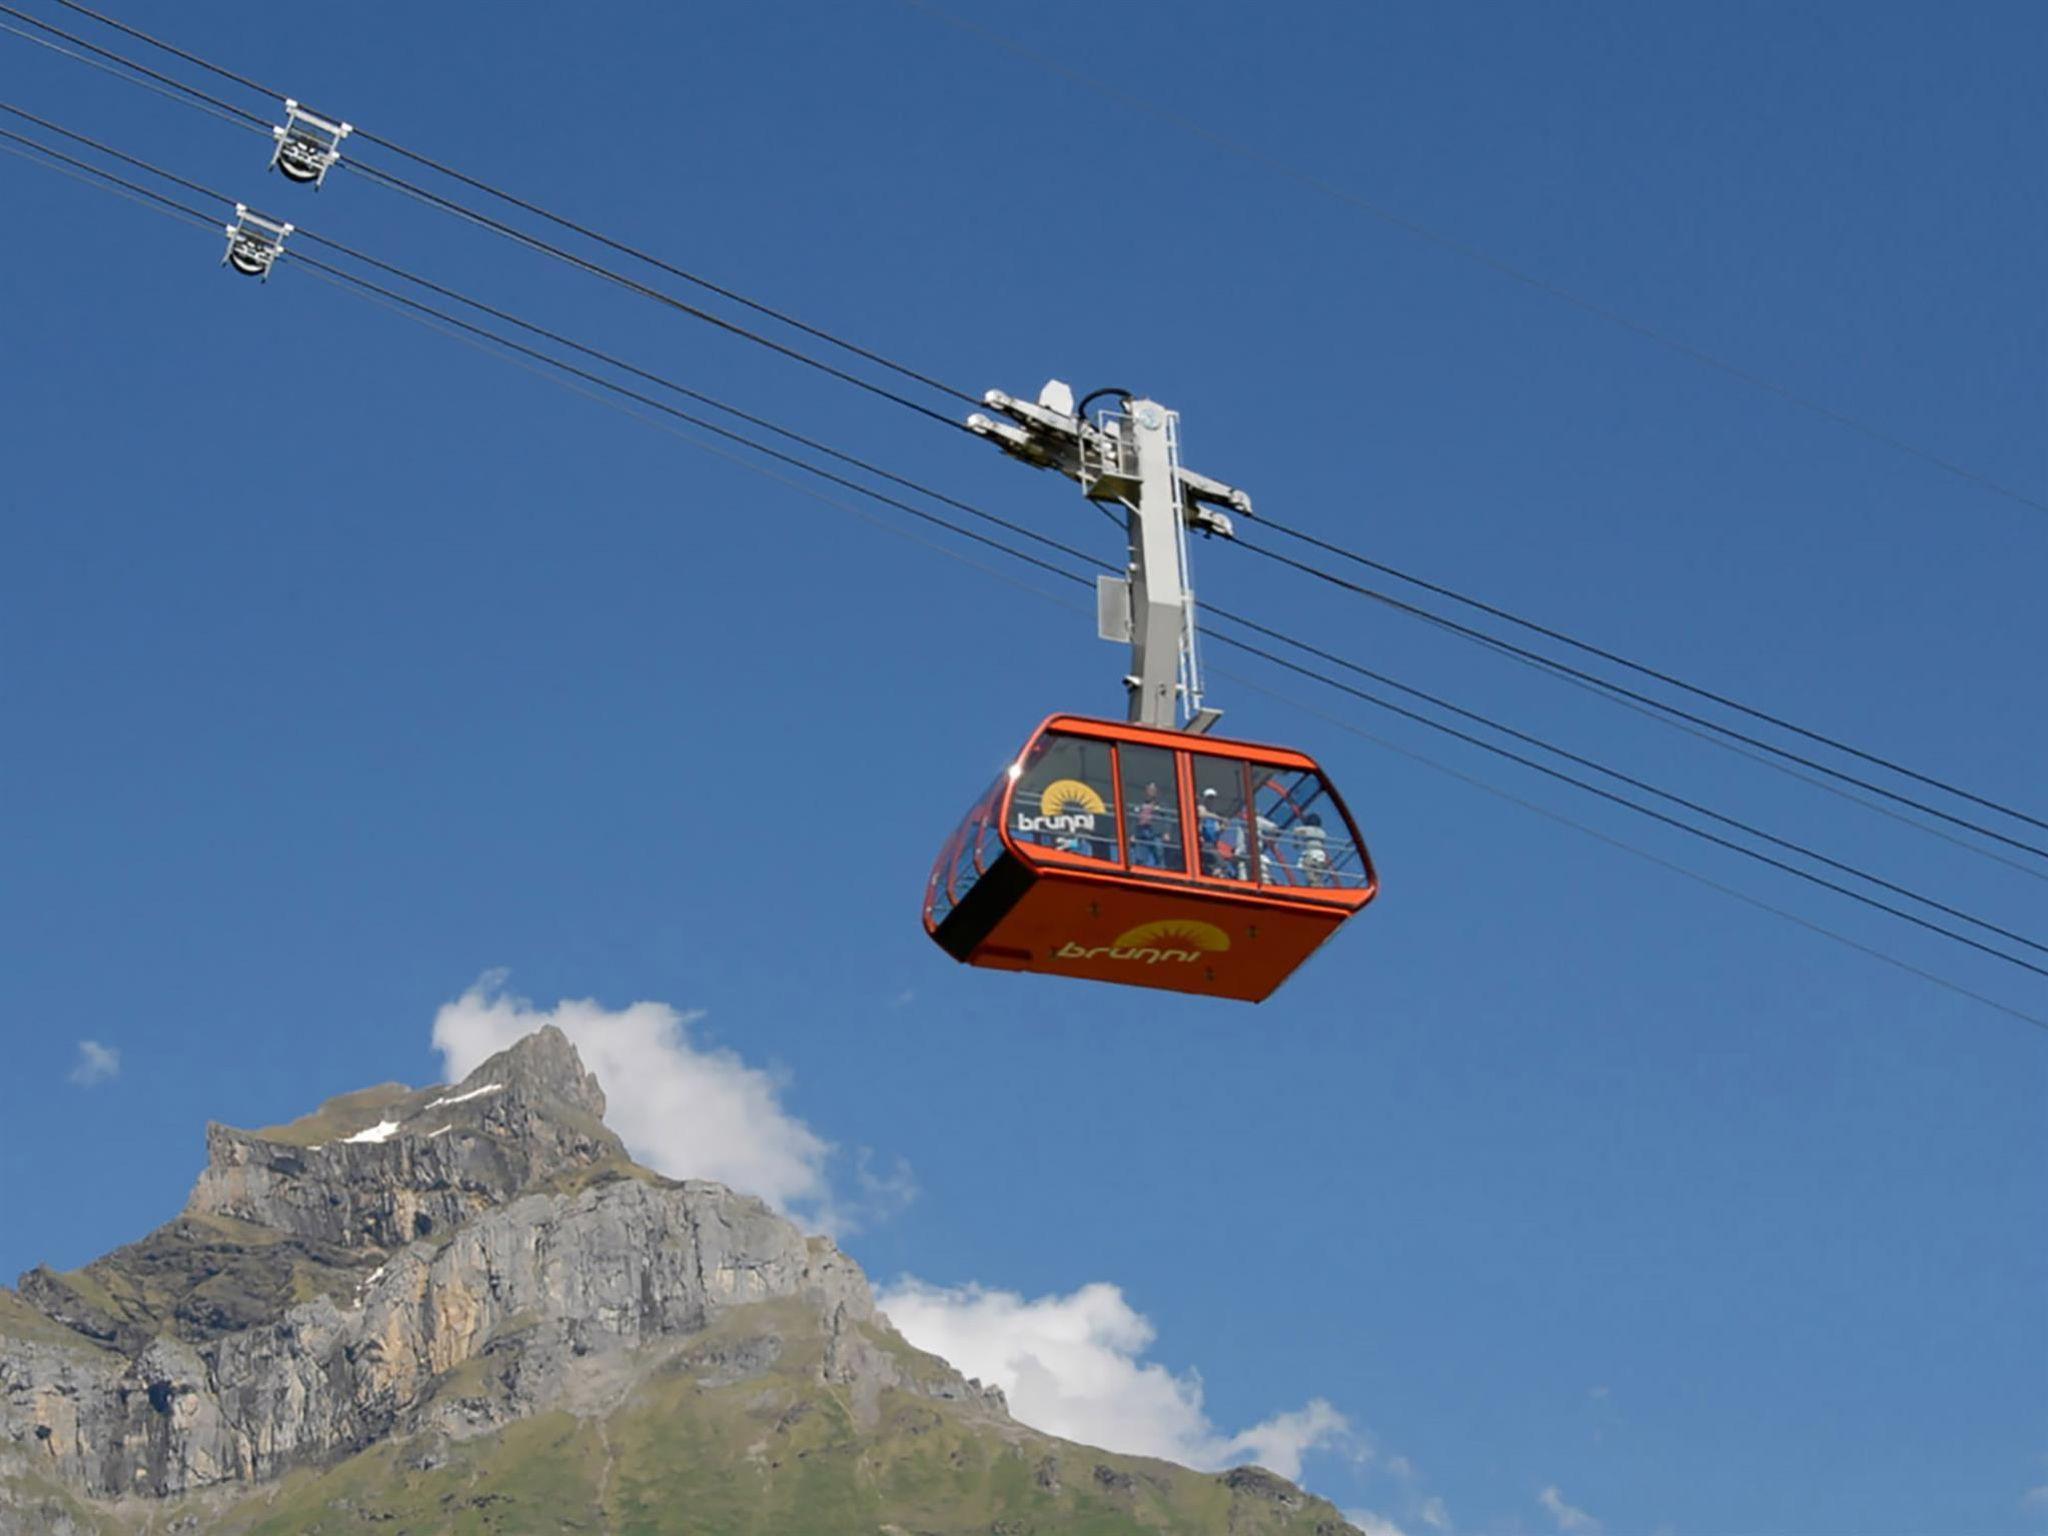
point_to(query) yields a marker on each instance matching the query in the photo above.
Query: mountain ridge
(473, 1284)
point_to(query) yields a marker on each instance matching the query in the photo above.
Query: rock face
(443, 1266)
(427, 1234)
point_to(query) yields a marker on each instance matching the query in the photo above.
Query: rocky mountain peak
(541, 1066)
(376, 1169)
(439, 1268)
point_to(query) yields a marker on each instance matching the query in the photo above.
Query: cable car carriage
(1114, 852)
(1146, 852)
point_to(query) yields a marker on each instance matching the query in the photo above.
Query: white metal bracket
(308, 145)
(254, 243)
(1131, 458)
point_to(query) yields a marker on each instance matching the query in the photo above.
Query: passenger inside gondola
(1221, 826)
(1296, 848)
(1152, 817)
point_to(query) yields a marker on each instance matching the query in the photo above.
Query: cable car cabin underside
(1153, 858)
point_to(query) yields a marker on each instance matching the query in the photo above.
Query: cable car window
(1222, 828)
(1065, 788)
(975, 845)
(1304, 840)
(1152, 809)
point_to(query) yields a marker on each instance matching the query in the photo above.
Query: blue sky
(341, 666)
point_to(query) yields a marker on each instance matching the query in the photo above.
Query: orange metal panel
(1172, 741)
(1181, 939)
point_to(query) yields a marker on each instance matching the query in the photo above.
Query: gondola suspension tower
(1130, 458)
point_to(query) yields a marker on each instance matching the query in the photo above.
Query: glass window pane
(973, 847)
(1222, 829)
(1152, 810)
(1304, 839)
(1064, 795)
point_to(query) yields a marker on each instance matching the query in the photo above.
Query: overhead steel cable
(1622, 800)
(598, 269)
(300, 232)
(782, 317)
(859, 489)
(1204, 129)
(1436, 765)
(1813, 781)
(433, 199)
(300, 258)
(118, 74)
(1436, 701)
(1749, 829)
(430, 315)
(1471, 253)
(92, 176)
(187, 94)
(702, 424)
(1661, 705)
(1641, 669)
(533, 242)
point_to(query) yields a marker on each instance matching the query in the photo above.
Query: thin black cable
(119, 74)
(136, 195)
(1086, 557)
(398, 183)
(1663, 706)
(1067, 549)
(535, 209)
(627, 410)
(301, 233)
(120, 182)
(1622, 800)
(1239, 644)
(1204, 130)
(853, 460)
(1736, 749)
(1747, 828)
(114, 154)
(859, 489)
(141, 69)
(596, 269)
(316, 265)
(1644, 670)
(1475, 782)
(699, 422)
(497, 226)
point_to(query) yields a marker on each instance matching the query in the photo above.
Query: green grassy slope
(699, 1447)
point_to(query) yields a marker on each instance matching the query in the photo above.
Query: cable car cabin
(1156, 858)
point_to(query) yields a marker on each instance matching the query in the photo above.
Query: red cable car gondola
(1145, 852)
(1155, 858)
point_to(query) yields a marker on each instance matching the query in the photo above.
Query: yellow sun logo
(1174, 933)
(1063, 795)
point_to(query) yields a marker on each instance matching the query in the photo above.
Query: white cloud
(1372, 1524)
(1434, 1515)
(96, 1063)
(1072, 1366)
(2035, 1499)
(1573, 1521)
(687, 1110)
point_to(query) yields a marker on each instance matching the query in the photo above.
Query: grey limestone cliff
(330, 1283)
